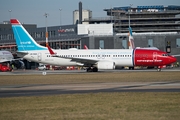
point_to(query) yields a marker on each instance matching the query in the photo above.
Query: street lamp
(129, 13)
(111, 14)
(46, 14)
(60, 9)
(10, 13)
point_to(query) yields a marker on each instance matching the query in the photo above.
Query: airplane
(93, 59)
(5, 56)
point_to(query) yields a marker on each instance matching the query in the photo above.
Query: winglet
(50, 50)
(85, 47)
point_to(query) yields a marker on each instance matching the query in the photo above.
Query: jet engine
(106, 65)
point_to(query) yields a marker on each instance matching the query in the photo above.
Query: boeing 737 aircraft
(94, 59)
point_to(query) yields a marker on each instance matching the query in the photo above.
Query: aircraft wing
(2, 61)
(10, 57)
(84, 61)
(9, 60)
(79, 60)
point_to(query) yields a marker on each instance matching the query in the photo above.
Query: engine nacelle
(106, 65)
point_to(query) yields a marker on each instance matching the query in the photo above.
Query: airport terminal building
(153, 26)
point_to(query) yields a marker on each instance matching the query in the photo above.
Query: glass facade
(178, 42)
(101, 44)
(150, 42)
(124, 44)
(59, 37)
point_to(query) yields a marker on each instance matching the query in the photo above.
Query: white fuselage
(5, 56)
(120, 57)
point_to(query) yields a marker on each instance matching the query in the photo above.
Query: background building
(86, 14)
(153, 26)
(142, 18)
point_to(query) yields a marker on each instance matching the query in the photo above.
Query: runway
(40, 90)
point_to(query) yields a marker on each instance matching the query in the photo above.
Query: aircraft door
(39, 56)
(154, 57)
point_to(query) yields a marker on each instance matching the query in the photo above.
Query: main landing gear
(92, 69)
(131, 68)
(159, 68)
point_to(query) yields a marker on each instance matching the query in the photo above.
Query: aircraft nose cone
(173, 59)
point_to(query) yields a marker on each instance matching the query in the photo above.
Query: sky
(32, 11)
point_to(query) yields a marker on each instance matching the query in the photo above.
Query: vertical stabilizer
(24, 41)
(131, 39)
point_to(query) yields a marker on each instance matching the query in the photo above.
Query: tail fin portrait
(24, 41)
(131, 39)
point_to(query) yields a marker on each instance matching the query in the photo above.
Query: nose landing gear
(159, 68)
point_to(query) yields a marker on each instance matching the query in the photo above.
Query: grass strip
(100, 106)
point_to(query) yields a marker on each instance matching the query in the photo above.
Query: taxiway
(79, 88)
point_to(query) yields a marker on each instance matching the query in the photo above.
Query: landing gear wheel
(88, 69)
(159, 69)
(131, 68)
(95, 69)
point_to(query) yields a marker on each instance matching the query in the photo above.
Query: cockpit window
(165, 55)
